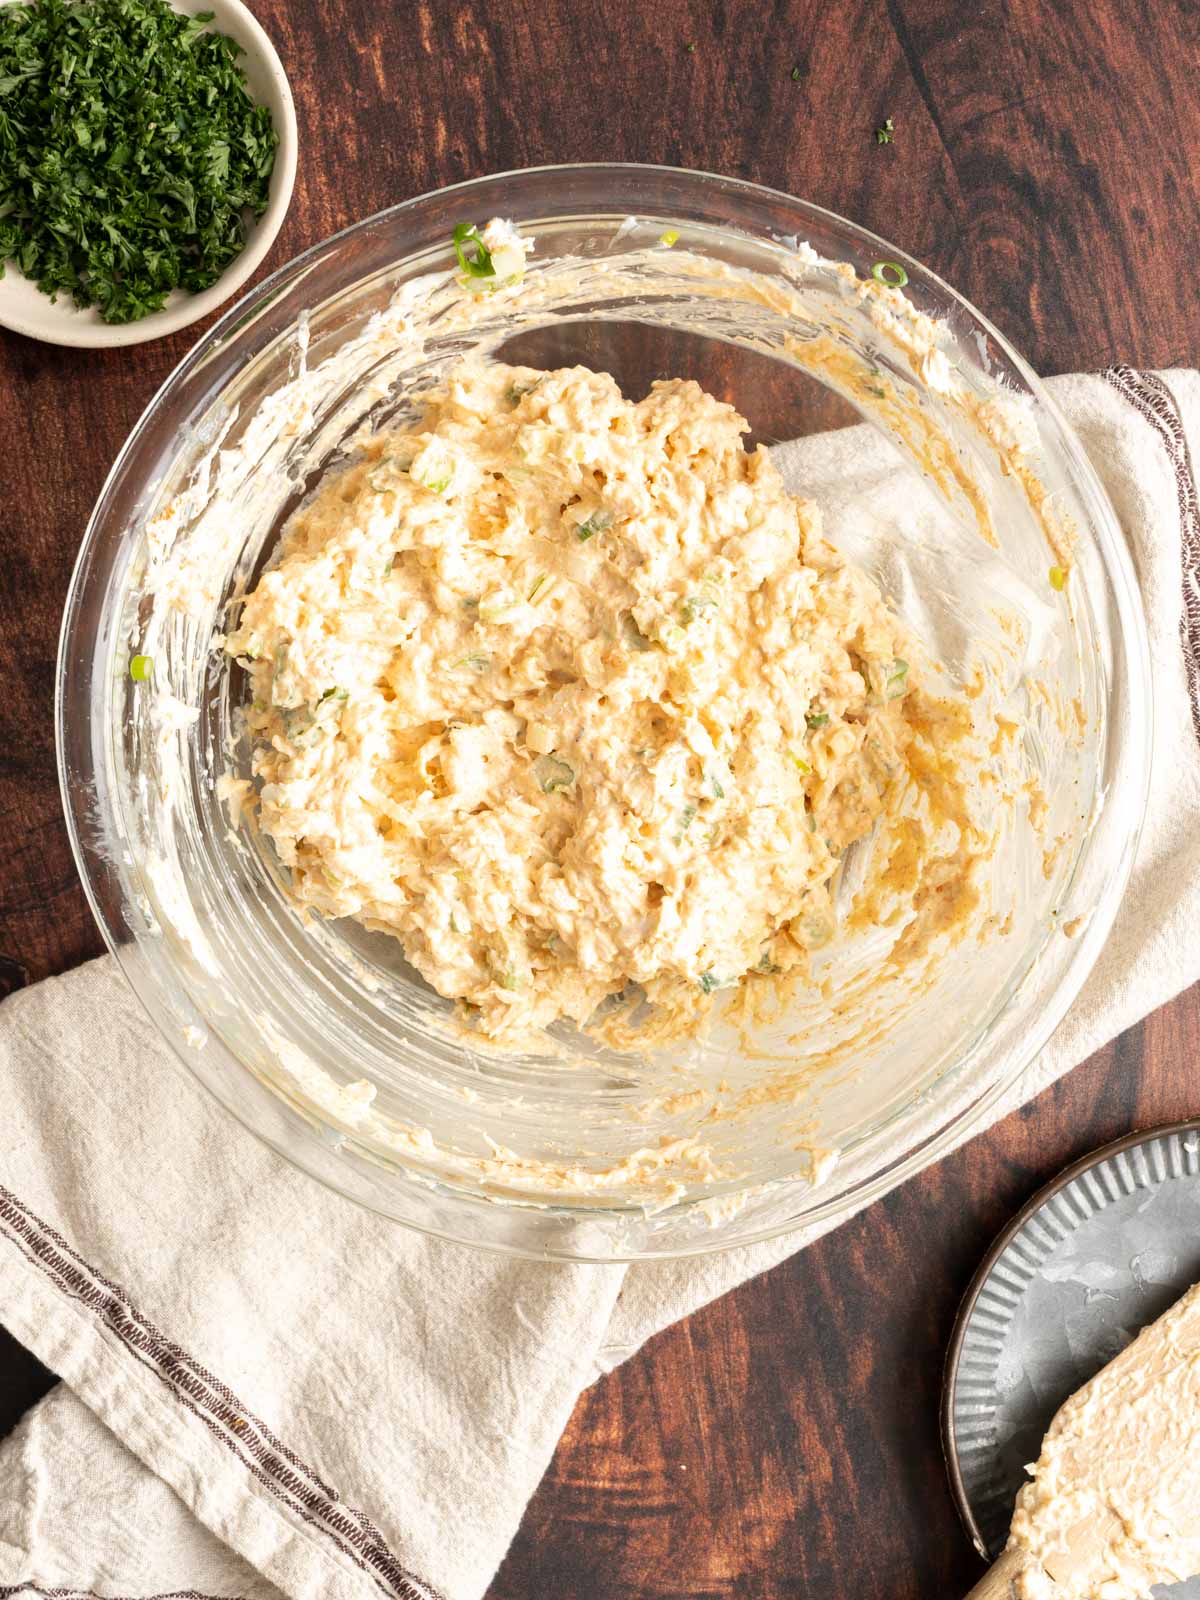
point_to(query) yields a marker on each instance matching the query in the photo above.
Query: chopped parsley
(885, 131)
(795, 74)
(817, 719)
(131, 153)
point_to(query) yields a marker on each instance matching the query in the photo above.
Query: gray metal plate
(1100, 1252)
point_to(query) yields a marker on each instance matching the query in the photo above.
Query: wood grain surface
(784, 1441)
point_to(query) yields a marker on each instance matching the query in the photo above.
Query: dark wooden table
(784, 1441)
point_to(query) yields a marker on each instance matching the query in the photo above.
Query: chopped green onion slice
(891, 273)
(708, 982)
(686, 817)
(510, 980)
(596, 523)
(669, 238)
(478, 265)
(897, 678)
(817, 719)
(795, 74)
(718, 791)
(695, 606)
(1058, 579)
(476, 661)
(553, 774)
(140, 668)
(537, 584)
(799, 764)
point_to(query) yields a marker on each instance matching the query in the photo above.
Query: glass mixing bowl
(316, 1035)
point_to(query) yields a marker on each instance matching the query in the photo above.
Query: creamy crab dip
(567, 693)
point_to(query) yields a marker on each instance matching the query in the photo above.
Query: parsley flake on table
(131, 153)
(885, 131)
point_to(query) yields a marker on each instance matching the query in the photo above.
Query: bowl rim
(67, 325)
(822, 1211)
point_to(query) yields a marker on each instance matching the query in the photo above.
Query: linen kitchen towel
(268, 1391)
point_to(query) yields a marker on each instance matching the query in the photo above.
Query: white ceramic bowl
(25, 309)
